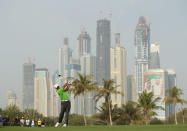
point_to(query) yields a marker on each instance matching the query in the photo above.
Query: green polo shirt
(63, 95)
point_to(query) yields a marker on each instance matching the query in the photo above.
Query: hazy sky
(37, 28)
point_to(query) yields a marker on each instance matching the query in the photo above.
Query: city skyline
(21, 41)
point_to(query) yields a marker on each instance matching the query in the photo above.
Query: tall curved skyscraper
(142, 52)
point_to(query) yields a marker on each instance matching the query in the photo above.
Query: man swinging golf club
(65, 102)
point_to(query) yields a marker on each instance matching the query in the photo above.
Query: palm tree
(103, 113)
(12, 112)
(147, 104)
(174, 97)
(183, 112)
(81, 85)
(108, 88)
(128, 113)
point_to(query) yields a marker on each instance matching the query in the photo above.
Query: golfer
(65, 103)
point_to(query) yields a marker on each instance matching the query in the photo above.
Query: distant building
(119, 71)
(84, 41)
(155, 56)
(142, 52)
(71, 71)
(156, 81)
(65, 56)
(88, 67)
(42, 92)
(28, 85)
(56, 99)
(12, 99)
(171, 83)
(51, 99)
(131, 88)
(103, 50)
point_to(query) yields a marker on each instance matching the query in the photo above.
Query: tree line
(140, 112)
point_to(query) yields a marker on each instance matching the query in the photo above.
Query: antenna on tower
(110, 15)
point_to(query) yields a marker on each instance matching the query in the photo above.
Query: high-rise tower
(155, 56)
(103, 50)
(142, 52)
(84, 43)
(118, 71)
(65, 56)
(28, 85)
(42, 91)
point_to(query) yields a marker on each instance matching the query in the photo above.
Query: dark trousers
(65, 108)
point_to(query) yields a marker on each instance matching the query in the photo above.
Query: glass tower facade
(142, 52)
(103, 50)
(28, 85)
(84, 41)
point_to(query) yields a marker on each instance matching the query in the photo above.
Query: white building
(42, 92)
(65, 56)
(118, 71)
(12, 99)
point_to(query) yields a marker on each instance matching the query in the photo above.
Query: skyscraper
(42, 91)
(88, 67)
(28, 85)
(84, 43)
(118, 71)
(65, 56)
(172, 81)
(142, 52)
(131, 88)
(103, 50)
(155, 56)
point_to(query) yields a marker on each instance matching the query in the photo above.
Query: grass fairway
(102, 128)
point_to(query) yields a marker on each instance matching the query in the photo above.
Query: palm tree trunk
(145, 118)
(110, 116)
(84, 115)
(175, 113)
(183, 119)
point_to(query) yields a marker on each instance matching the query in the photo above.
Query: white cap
(56, 85)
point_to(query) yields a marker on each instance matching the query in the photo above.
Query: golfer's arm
(67, 88)
(64, 85)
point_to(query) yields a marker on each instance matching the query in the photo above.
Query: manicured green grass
(101, 128)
